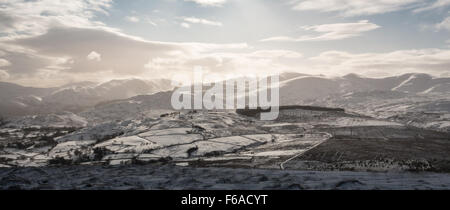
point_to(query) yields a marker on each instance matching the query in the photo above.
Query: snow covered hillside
(16, 100)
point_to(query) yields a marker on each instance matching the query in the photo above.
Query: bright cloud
(185, 25)
(444, 25)
(214, 3)
(353, 7)
(65, 54)
(439, 4)
(432, 61)
(4, 62)
(3, 75)
(328, 32)
(133, 19)
(150, 21)
(195, 20)
(22, 17)
(94, 56)
(254, 63)
(53, 41)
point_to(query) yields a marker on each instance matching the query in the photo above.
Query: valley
(358, 134)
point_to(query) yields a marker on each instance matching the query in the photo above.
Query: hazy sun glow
(49, 43)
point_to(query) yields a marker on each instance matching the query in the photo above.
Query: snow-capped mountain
(91, 95)
(16, 100)
(56, 120)
(141, 105)
(368, 96)
(122, 99)
(404, 98)
(311, 88)
(146, 128)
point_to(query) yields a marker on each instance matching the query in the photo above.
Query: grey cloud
(6, 22)
(3, 75)
(25, 64)
(65, 51)
(209, 3)
(24, 17)
(335, 31)
(432, 61)
(4, 62)
(120, 54)
(354, 7)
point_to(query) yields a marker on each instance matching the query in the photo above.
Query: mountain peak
(352, 76)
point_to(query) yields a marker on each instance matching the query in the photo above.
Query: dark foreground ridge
(155, 177)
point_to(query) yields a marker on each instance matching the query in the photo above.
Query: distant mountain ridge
(16, 100)
(314, 87)
(295, 89)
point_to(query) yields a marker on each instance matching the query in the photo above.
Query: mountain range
(389, 97)
(16, 100)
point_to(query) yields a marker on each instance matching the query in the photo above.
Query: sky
(46, 43)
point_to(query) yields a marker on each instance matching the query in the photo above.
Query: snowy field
(174, 177)
(224, 150)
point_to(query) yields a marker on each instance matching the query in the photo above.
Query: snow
(171, 131)
(225, 157)
(57, 120)
(152, 138)
(429, 90)
(169, 140)
(177, 146)
(145, 157)
(127, 144)
(121, 156)
(93, 132)
(10, 156)
(438, 124)
(261, 137)
(404, 83)
(182, 164)
(234, 140)
(277, 125)
(179, 151)
(357, 122)
(276, 153)
(120, 162)
(205, 147)
(62, 149)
